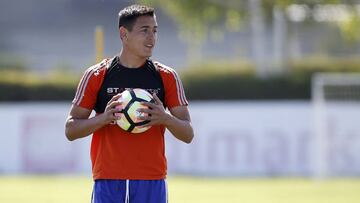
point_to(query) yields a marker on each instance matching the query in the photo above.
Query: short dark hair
(128, 15)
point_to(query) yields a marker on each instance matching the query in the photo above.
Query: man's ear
(123, 33)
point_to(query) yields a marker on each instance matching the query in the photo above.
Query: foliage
(213, 80)
(27, 86)
(351, 28)
(27, 78)
(238, 81)
(197, 18)
(11, 62)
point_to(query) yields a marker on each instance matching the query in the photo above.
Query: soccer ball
(131, 99)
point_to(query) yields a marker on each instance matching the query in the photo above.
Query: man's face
(140, 41)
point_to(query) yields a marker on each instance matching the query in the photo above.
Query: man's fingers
(114, 110)
(114, 104)
(114, 98)
(148, 104)
(157, 100)
(114, 101)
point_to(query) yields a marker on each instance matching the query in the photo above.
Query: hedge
(211, 81)
(233, 81)
(27, 86)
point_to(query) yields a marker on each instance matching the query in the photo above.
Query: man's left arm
(178, 121)
(179, 124)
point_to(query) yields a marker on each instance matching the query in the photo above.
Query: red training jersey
(115, 153)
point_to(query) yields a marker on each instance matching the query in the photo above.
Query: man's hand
(177, 121)
(111, 112)
(78, 124)
(156, 113)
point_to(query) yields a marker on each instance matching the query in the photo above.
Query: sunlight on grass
(56, 189)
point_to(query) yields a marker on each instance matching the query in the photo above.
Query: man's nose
(151, 35)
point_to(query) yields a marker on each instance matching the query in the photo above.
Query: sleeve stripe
(180, 89)
(84, 81)
(80, 85)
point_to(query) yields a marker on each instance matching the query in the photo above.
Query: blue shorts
(129, 191)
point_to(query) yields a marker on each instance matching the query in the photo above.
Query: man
(130, 167)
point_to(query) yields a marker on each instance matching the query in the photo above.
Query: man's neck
(131, 61)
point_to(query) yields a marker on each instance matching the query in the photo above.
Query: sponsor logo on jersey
(116, 90)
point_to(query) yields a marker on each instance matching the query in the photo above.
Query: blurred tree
(12, 62)
(349, 26)
(201, 19)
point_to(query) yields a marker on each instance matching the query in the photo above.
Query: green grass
(56, 189)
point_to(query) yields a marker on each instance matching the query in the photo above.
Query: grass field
(60, 189)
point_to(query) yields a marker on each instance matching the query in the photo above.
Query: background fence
(232, 139)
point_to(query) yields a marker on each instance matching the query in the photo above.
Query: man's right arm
(79, 125)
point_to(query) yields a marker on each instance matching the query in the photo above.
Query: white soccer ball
(131, 101)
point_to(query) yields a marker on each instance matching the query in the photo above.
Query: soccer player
(130, 167)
